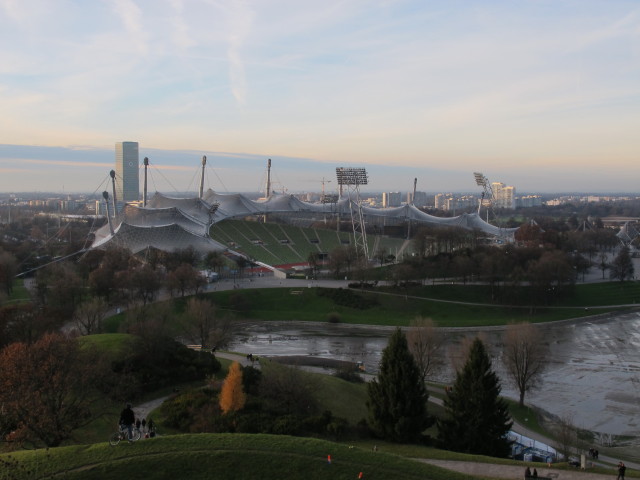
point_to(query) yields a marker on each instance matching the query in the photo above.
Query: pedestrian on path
(621, 471)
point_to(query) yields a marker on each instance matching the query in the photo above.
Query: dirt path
(144, 409)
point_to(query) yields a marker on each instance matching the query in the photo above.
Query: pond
(592, 374)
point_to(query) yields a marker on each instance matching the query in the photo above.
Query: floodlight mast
(487, 191)
(352, 178)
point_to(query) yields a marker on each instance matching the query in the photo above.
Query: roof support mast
(267, 192)
(144, 192)
(105, 195)
(415, 184)
(113, 185)
(204, 163)
(413, 202)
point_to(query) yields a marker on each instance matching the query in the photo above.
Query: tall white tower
(127, 179)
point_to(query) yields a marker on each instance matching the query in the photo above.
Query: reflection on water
(593, 373)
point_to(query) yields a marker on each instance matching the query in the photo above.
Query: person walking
(621, 471)
(127, 419)
(151, 428)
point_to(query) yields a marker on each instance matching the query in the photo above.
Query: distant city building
(503, 196)
(440, 201)
(127, 179)
(449, 202)
(68, 205)
(391, 199)
(528, 201)
(100, 208)
(419, 201)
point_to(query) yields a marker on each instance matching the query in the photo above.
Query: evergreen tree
(477, 419)
(397, 398)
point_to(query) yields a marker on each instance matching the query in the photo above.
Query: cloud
(239, 21)
(131, 16)
(59, 163)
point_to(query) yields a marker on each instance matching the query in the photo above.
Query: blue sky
(542, 95)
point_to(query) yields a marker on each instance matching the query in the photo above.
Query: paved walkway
(513, 471)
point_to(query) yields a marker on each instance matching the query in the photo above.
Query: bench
(296, 292)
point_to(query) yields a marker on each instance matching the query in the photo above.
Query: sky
(543, 95)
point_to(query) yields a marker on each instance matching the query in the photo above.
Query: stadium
(276, 230)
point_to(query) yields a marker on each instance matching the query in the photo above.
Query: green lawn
(19, 293)
(342, 398)
(112, 344)
(218, 456)
(398, 309)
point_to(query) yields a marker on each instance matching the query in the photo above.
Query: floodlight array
(481, 180)
(351, 176)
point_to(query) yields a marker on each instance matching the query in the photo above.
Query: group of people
(621, 469)
(593, 453)
(128, 421)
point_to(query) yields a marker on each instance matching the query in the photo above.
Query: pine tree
(232, 396)
(477, 419)
(397, 398)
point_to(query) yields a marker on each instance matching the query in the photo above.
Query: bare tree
(524, 356)
(89, 315)
(8, 269)
(47, 389)
(425, 344)
(566, 435)
(602, 263)
(621, 267)
(184, 278)
(288, 389)
(458, 353)
(204, 326)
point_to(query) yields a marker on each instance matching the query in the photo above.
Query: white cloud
(131, 17)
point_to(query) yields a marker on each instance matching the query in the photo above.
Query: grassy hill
(216, 456)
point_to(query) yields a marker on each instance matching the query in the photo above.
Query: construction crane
(322, 197)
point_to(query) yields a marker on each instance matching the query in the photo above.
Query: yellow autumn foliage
(232, 396)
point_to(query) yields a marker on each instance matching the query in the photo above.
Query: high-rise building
(391, 199)
(419, 201)
(127, 179)
(440, 201)
(503, 195)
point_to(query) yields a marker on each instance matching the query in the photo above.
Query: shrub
(251, 380)
(287, 425)
(349, 374)
(180, 411)
(337, 428)
(333, 317)
(348, 298)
